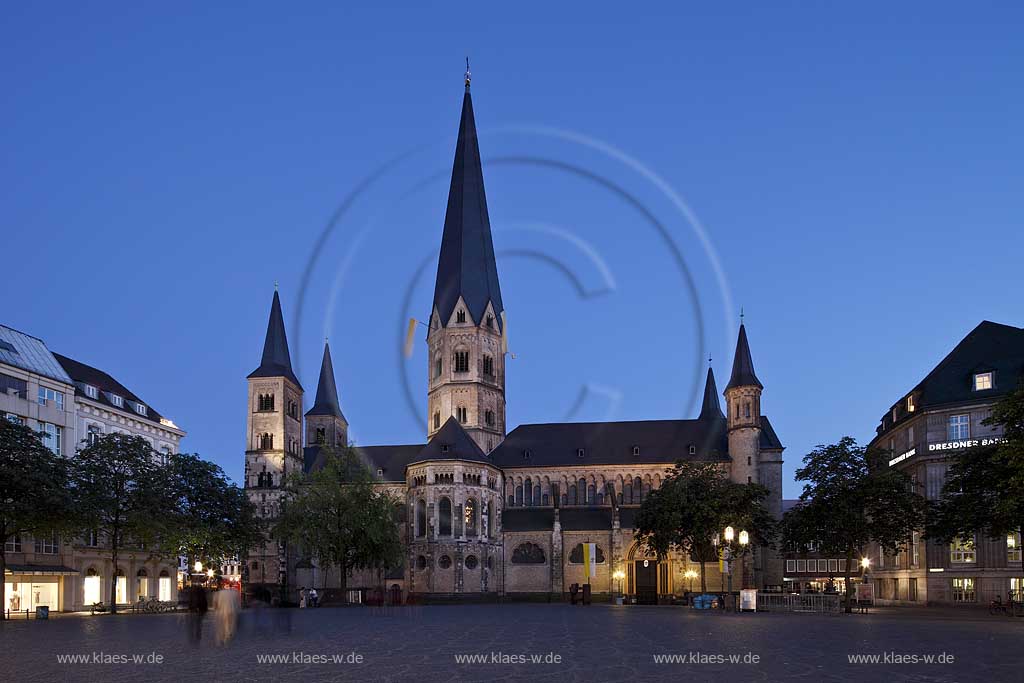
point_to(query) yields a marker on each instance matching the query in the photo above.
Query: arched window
(527, 492)
(627, 492)
(581, 491)
(444, 562)
(421, 518)
(519, 495)
(421, 563)
(461, 414)
(437, 367)
(572, 494)
(470, 514)
(489, 417)
(266, 442)
(460, 361)
(638, 487)
(591, 493)
(536, 494)
(488, 366)
(460, 316)
(444, 513)
(321, 435)
(437, 420)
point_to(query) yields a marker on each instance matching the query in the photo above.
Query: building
(938, 418)
(489, 511)
(815, 572)
(72, 403)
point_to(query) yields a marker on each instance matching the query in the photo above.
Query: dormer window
(895, 413)
(580, 452)
(117, 400)
(527, 454)
(910, 404)
(141, 409)
(693, 449)
(490, 321)
(444, 448)
(983, 381)
(91, 391)
(636, 451)
(380, 472)
(460, 316)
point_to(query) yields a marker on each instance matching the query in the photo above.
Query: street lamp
(865, 563)
(691, 575)
(198, 567)
(729, 533)
(619, 575)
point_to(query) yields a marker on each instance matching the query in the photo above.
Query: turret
(325, 423)
(743, 410)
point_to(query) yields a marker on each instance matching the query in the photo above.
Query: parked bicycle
(997, 606)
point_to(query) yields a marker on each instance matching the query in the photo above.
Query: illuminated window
(959, 427)
(910, 404)
(961, 550)
(982, 381)
(963, 590)
(1013, 547)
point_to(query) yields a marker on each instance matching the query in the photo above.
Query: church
(489, 512)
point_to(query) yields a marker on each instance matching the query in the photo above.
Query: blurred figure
(314, 597)
(197, 606)
(225, 606)
(302, 598)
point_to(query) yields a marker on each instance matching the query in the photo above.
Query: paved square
(600, 642)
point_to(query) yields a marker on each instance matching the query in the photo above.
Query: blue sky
(856, 171)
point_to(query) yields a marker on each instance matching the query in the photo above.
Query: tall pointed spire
(711, 409)
(742, 364)
(326, 390)
(276, 360)
(466, 265)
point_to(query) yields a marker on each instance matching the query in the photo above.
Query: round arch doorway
(647, 576)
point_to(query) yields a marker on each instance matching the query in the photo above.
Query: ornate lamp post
(619, 575)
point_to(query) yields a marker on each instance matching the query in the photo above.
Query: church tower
(325, 423)
(466, 351)
(743, 410)
(273, 443)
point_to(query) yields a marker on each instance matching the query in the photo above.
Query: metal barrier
(803, 602)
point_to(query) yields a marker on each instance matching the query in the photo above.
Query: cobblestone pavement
(599, 642)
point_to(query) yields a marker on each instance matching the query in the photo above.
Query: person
(314, 597)
(302, 598)
(197, 606)
(225, 605)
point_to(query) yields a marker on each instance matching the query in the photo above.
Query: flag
(590, 560)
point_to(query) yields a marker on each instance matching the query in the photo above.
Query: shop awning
(41, 569)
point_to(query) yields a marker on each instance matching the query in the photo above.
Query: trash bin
(586, 594)
(43, 612)
(704, 601)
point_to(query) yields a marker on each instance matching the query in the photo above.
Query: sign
(866, 592)
(900, 458)
(748, 600)
(965, 443)
(590, 561)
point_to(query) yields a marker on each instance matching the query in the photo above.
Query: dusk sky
(854, 172)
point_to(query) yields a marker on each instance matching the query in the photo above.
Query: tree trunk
(343, 582)
(703, 581)
(848, 583)
(113, 575)
(3, 588)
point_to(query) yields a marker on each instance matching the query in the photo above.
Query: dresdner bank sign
(965, 443)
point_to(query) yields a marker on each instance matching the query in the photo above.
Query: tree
(982, 493)
(851, 497)
(34, 496)
(692, 507)
(210, 519)
(121, 495)
(338, 517)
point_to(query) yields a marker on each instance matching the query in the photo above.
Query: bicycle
(997, 606)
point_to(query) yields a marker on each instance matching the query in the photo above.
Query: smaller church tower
(325, 423)
(743, 410)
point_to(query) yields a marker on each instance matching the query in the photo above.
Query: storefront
(30, 586)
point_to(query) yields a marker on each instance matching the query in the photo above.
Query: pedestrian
(225, 605)
(302, 598)
(314, 597)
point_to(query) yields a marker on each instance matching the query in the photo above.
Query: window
(18, 420)
(910, 404)
(117, 400)
(1013, 547)
(266, 441)
(471, 562)
(693, 449)
(444, 513)
(963, 590)
(265, 402)
(46, 546)
(790, 565)
(833, 566)
(13, 545)
(961, 550)
(92, 539)
(141, 409)
(460, 316)
(461, 361)
(437, 420)
(910, 437)
(421, 562)
(293, 409)
(421, 518)
(13, 385)
(91, 391)
(321, 435)
(982, 381)
(489, 417)
(580, 452)
(915, 549)
(842, 566)
(93, 435)
(490, 321)
(881, 557)
(52, 435)
(165, 455)
(437, 367)
(461, 414)
(801, 565)
(51, 396)
(469, 516)
(746, 409)
(488, 366)
(444, 562)
(959, 427)
(636, 451)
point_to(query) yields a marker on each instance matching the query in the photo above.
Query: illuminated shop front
(30, 586)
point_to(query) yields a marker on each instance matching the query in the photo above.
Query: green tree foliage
(210, 519)
(851, 498)
(338, 517)
(692, 507)
(34, 496)
(982, 493)
(121, 494)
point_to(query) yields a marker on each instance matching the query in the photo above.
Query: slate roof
(527, 519)
(451, 442)
(769, 439)
(276, 361)
(29, 353)
(83, 374)
(586, 519)
(611, 443)
(711, 409)
(326, 402)
(392, 459)
(988, 347)
(466, 265)
(743, 365)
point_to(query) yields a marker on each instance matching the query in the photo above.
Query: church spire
(276, 360)
(326, 390)
(742, 364)
(466, 266)
(711, 409)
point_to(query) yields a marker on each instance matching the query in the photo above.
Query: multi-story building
(941, 416)
(488, 511)
(816, 572)
(71, 403)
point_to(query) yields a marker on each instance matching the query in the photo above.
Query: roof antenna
(469, 76)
